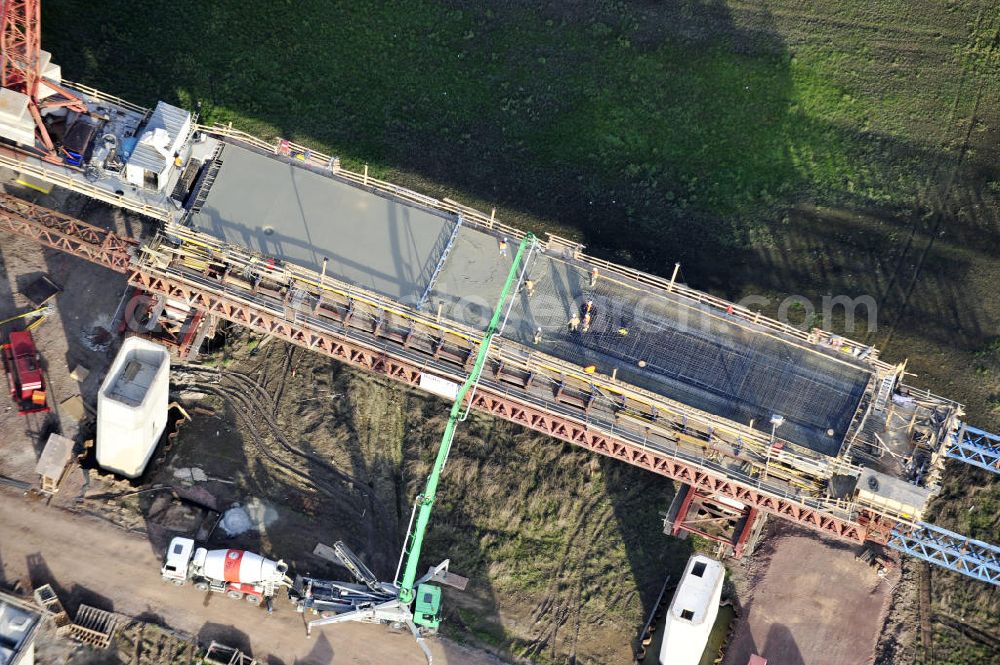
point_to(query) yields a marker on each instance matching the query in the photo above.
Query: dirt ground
(90, 561)
(811, 602)
(76, 333)
(79, 332)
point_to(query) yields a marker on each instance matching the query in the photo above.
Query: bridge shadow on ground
(689, 132)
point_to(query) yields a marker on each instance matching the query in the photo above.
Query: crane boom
(425, 502)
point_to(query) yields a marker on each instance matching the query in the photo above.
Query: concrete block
(80, 373)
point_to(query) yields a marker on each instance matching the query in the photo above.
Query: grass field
(839, 147)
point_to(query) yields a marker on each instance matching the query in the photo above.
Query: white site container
(132, 407)
(692, 612)
(161, 138)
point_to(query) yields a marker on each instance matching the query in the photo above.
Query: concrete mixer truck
(237, 573)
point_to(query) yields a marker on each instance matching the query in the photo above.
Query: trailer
(25, 379)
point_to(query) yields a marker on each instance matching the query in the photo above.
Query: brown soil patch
(813, 603)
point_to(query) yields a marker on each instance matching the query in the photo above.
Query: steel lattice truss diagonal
(976, 447)
(950, 550)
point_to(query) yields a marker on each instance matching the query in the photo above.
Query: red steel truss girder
(106, 248)
(869, 526)
(252, 317)
(65, 233)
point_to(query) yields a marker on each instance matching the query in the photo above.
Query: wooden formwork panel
(47, 599)
(94, 627)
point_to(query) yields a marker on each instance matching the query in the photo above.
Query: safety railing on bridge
(21, 164)
(657, 438)
(506, 351)
(650, 411)
(94, 93)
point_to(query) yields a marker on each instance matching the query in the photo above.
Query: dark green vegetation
(841, 147)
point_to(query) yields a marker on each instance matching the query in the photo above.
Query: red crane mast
(20, 50)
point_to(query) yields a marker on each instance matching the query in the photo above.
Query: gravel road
(88, 560)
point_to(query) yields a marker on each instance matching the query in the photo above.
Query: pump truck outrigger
(379, 602)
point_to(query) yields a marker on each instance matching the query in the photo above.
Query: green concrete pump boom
(426, 500)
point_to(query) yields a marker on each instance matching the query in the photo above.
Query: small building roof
(18, 623)
(55, 456)
(148, 158)
(168, 117)
(172, 120)
(695, 594)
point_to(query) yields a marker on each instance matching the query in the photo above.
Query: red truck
(24, 374)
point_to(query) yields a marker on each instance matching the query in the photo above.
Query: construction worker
(623, 332)
(503, 247)
(642, 363)
(178, 162)
(538, 336)
(529, 286)
(574, 323)
(593, 277)
(590, 369)
(588, 307)
(586, 322)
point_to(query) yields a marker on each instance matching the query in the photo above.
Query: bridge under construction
(805, 425)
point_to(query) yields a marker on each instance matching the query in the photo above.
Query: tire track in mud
(551, 612)
(938, 197)
(253, 406)
(562, 605)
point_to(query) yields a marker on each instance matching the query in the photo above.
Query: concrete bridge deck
(710, 360)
